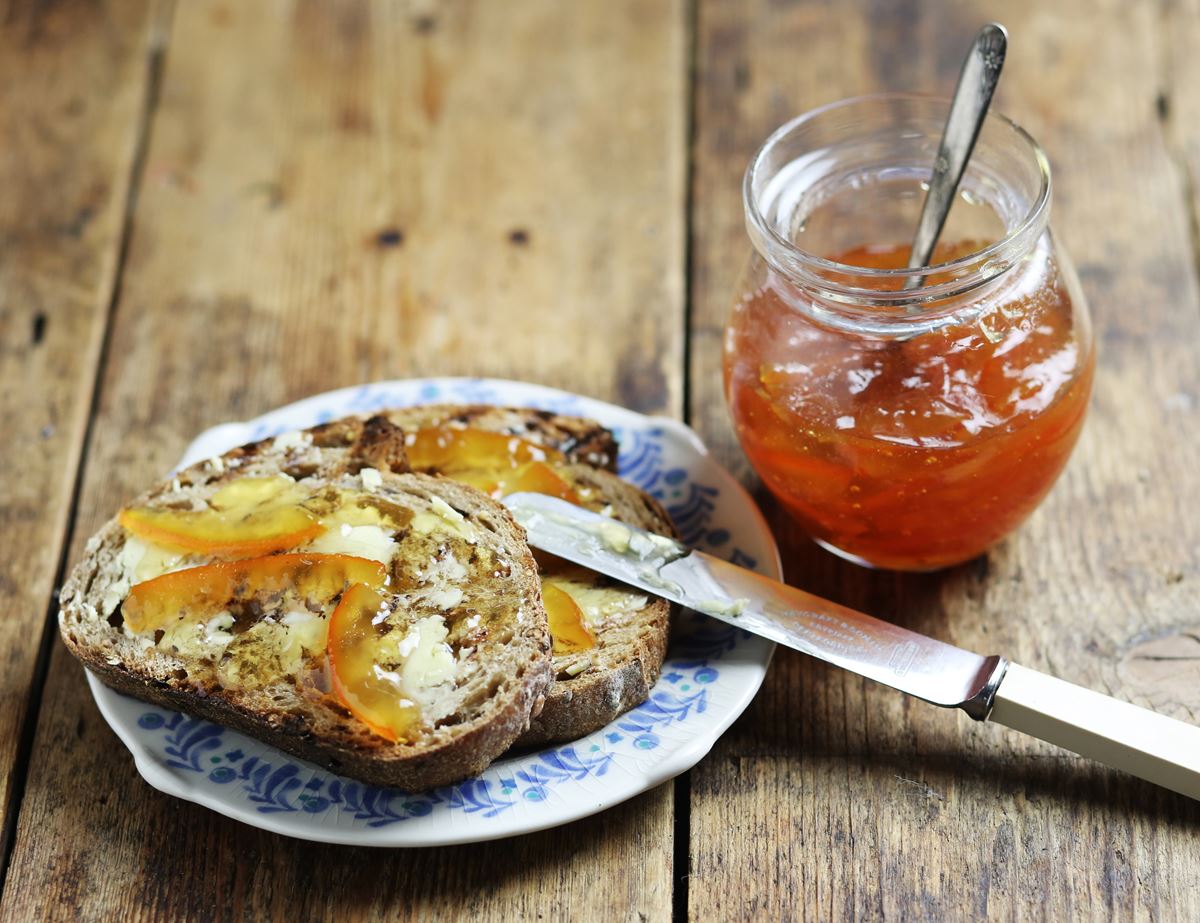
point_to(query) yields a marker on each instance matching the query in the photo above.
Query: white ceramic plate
(710, 675)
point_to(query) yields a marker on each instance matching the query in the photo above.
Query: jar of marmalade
(906, 425)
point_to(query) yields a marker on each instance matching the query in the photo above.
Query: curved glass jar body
(907, 427)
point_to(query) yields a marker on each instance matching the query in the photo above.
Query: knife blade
(1157, 748)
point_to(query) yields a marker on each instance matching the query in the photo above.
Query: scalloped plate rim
(680, 759)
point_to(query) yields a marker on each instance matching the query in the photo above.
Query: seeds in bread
(263, 671)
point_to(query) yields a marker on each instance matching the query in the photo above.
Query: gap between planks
(682, 791)
(1165, 118)
(156, 52)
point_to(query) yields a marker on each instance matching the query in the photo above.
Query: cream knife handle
(1156, 748)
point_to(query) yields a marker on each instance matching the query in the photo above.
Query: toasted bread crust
(344, 446)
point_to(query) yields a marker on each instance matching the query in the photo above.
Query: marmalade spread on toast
(281, 580)
(496, 463)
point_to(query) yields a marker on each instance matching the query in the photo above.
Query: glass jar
(904, 426)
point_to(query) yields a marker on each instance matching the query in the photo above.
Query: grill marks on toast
(344, 446)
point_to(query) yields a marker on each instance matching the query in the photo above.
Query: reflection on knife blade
(929, 669)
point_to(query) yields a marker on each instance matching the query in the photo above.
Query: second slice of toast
(592, 687)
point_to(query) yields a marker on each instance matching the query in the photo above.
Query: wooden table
(211, 208)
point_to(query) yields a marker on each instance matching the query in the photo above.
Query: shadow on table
(897, 746)
(620, 858)
(815, 732)
(1035, 782)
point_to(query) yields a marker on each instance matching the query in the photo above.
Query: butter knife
(988, 688)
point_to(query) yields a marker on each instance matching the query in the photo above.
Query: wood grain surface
(73, 83)
(339, 192)
(835, 799)
(321, 194)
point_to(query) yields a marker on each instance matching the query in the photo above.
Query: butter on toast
(591, 687)
(457, 624)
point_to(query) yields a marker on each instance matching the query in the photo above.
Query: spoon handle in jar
(1156, 748)
(976, 84)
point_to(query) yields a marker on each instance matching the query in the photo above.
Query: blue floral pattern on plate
(193, 745)
(710, 674)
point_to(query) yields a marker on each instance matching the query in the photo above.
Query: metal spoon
(976, 84)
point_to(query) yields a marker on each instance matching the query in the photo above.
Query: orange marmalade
(910, 454)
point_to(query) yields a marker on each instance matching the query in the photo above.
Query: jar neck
(845, 158)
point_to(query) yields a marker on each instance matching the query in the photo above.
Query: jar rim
(810, 268)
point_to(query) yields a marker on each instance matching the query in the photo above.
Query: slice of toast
(461, 604)
(592, 687)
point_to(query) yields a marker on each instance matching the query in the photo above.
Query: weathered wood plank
(341, 192)
(73, 79)
(834, 799)
(1180, 100)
